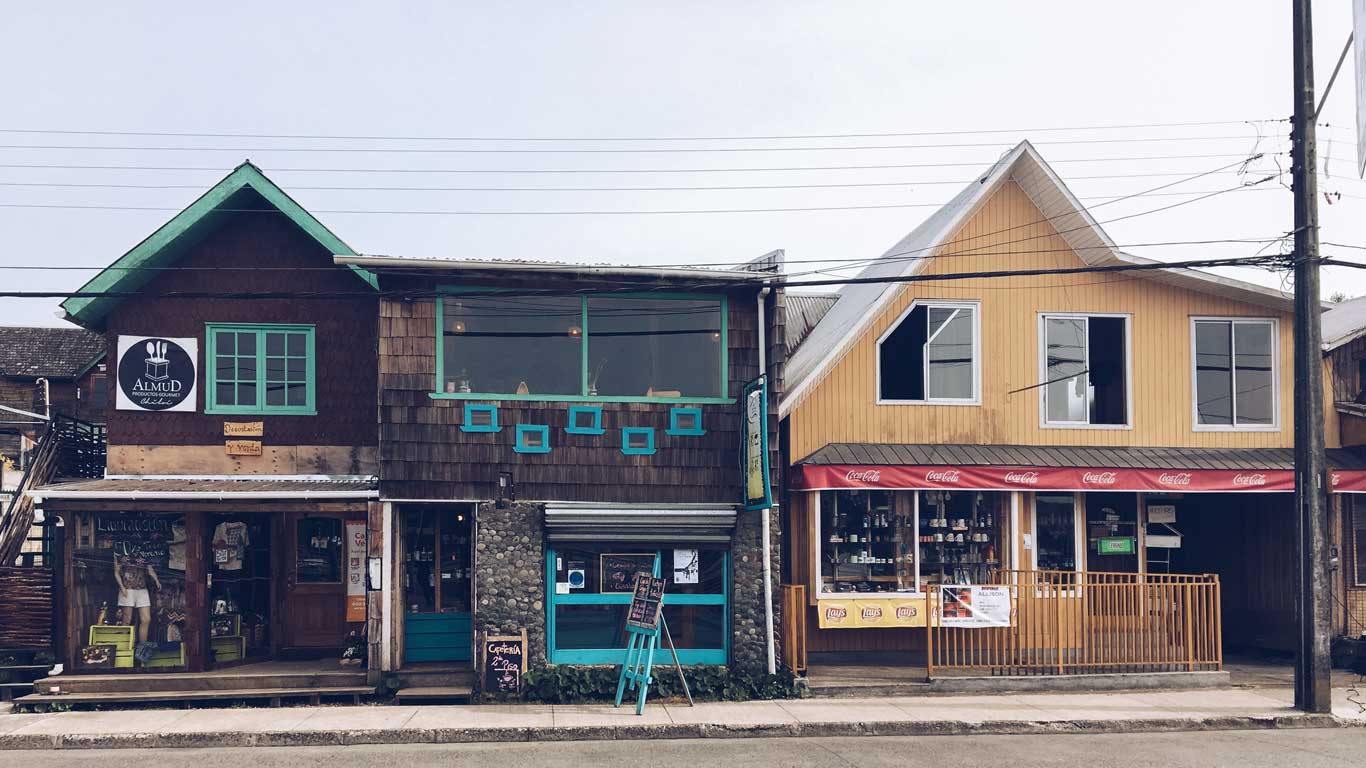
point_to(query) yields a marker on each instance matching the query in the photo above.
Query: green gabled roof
(166, 245)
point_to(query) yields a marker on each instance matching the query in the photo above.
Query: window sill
(578, 398)
(929, 402)
(1120, 427)
(259, 412)
(1222, 428)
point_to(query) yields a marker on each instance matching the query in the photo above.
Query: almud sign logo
(1100, 478)
(1022, 478)
(156, 374)
(1175, 478)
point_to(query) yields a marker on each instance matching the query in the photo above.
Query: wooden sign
(244, 428)
(618, 571)
(244, 448)
(504, 663)
(647, 600)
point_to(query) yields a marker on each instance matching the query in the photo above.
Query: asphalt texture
(1322, 748)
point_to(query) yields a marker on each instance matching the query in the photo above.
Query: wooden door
(313, 601)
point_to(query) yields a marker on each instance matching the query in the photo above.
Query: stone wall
(748, 652)
(509, 574)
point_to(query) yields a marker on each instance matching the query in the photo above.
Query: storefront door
(238, 558)
(437, 570)
(1112, 532)
(313, 601)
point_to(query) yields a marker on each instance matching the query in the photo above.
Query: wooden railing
(1068, 623)
(794, 627)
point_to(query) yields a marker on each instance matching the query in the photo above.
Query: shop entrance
(437, 594)
(1112, 532)
(313, 606)
(240, 590)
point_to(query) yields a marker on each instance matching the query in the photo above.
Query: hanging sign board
(754, 445)
(618, 571)
(244, 428)
(974, 606)
(503, 663)
(647, 600)
(1115, 545)
(1161, 513)
(243, 448)
(355, 570)
(156, 374)
(871, 613)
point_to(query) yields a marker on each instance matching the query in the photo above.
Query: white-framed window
(1058, 542)
(1084, 371)
(932, 354)
(1233, 378)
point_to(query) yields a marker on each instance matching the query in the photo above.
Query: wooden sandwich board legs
(635, 671)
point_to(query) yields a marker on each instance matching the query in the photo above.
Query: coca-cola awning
(1037, 468)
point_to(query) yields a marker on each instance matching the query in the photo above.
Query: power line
(771, 137)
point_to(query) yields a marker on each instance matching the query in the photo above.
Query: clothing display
(230, 542)
(176, 550)
(134, 576)
(135, 598)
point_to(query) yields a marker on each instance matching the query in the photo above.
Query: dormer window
(931, 355)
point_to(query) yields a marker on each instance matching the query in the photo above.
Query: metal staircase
(69, 449)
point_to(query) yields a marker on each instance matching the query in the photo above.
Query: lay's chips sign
(866, 613)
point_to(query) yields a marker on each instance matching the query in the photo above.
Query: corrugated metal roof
(1343, 323)
(1081, 457)
(804, 311)
(210, 487)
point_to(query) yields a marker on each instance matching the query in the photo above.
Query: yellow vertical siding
(1010, 233)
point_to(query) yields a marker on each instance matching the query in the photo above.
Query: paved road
(1246, 749)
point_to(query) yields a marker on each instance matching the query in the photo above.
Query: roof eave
(573, 270)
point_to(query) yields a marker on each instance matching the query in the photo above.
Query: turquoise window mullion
(261, 359)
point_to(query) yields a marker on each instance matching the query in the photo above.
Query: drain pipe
(766, 512)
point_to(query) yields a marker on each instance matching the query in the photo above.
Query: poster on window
(974, 606)
(355, 570)
(156, 374)
(754, 443)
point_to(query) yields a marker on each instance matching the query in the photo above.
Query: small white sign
(1162, 513)
(561, 588)
(686, 566)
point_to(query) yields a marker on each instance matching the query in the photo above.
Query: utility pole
(1313, 685)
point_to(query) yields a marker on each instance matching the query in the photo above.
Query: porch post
(196, 592)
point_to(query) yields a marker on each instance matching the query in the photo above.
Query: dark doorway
(1112, 532)
(437, 573)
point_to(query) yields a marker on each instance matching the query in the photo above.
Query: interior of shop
(437, 573)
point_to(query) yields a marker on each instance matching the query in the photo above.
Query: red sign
(822, 476)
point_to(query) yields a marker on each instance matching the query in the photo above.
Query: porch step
(173, 682)
(275, 695)
(436, 676)
(433, 693)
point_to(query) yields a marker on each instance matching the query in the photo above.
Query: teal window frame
(523, 429)
(674, 429)
(583, 396)
(574, 429)
(616, 655)
(467, 424)
(211, 331)
(649, 448)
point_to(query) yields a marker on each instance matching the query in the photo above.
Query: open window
(1085, 370)
(1235, 374)
(931, 355)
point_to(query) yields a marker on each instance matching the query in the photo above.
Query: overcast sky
(594, 70)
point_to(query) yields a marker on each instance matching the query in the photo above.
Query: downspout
(766, 512)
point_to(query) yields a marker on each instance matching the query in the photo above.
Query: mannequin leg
(125, 615)
(144, 623)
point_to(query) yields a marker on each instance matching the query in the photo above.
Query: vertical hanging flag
(754, 445)
(355, 570)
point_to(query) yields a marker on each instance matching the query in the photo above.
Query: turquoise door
(436, 583)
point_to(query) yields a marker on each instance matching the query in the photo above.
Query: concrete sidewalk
(343, 725)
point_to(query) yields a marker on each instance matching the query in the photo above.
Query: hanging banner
(156, 374)
(974, 606)
(828, 476)
(754, 445)
(871, 612)
(355, 571)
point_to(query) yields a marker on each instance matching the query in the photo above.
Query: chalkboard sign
(504, 663)
(619, 570)
(647, 599)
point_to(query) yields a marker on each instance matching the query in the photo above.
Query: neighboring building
(942, 431)
(44, 371)
(546, 431)
(242, 454)
(1344, 347)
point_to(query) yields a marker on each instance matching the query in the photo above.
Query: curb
(340, 738)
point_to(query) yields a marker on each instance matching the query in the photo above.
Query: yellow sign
(244, 448)
(872, 612)
(244, 428)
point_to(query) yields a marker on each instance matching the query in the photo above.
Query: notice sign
(244, 428)
(156, 374)
(355, 570)
(754, 445)
(618, 571)
(647, 600)
(974, 606)
(504, 663)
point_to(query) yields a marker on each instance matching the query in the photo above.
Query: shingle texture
(58, 353)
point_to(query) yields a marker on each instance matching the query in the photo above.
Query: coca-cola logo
(863, 475)
(1334, 478)
(835, 613)
(1023, 478)
(1249, 479)
(943, 476)
(906, 612)
(872, 612)
(1174, 478)
(1100, 478)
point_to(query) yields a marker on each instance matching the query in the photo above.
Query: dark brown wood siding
(424, 455)
(259, 252)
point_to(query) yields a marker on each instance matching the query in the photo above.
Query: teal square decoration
(637, 441)
(480, 418)
(532, 438)
(585, 420)
(685, 420)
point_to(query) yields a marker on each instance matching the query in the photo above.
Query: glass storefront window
(867, 542)
(319, 550)
(1055, 521)
(960, 535)
(589, 590)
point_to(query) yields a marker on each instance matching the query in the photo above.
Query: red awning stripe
(830, 476)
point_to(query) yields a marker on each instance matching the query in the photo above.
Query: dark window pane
(901, 359)
(246, 369)
(275, 343)
(1213, 373)
(298, 344)
(1066, 392)
(275, 394)
(668, 348)
(246, 343)
(275, 369)
(1252, 345)
(246, 394)
(1108, 372)
(297, 368)
(226, 369)
(1055, 516)
(226, 394)
(507, 344)
(99, 391)
(298, 394)
(696, 626)
(949, 353)
(580, 627)
(319, 549)
(226, 342)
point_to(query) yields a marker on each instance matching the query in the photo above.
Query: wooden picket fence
(1066, 622)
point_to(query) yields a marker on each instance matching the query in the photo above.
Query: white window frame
(1128, 318)
(976, 306)
(1275, 425)
(1078, 528)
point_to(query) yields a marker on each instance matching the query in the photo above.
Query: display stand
(635, 671)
